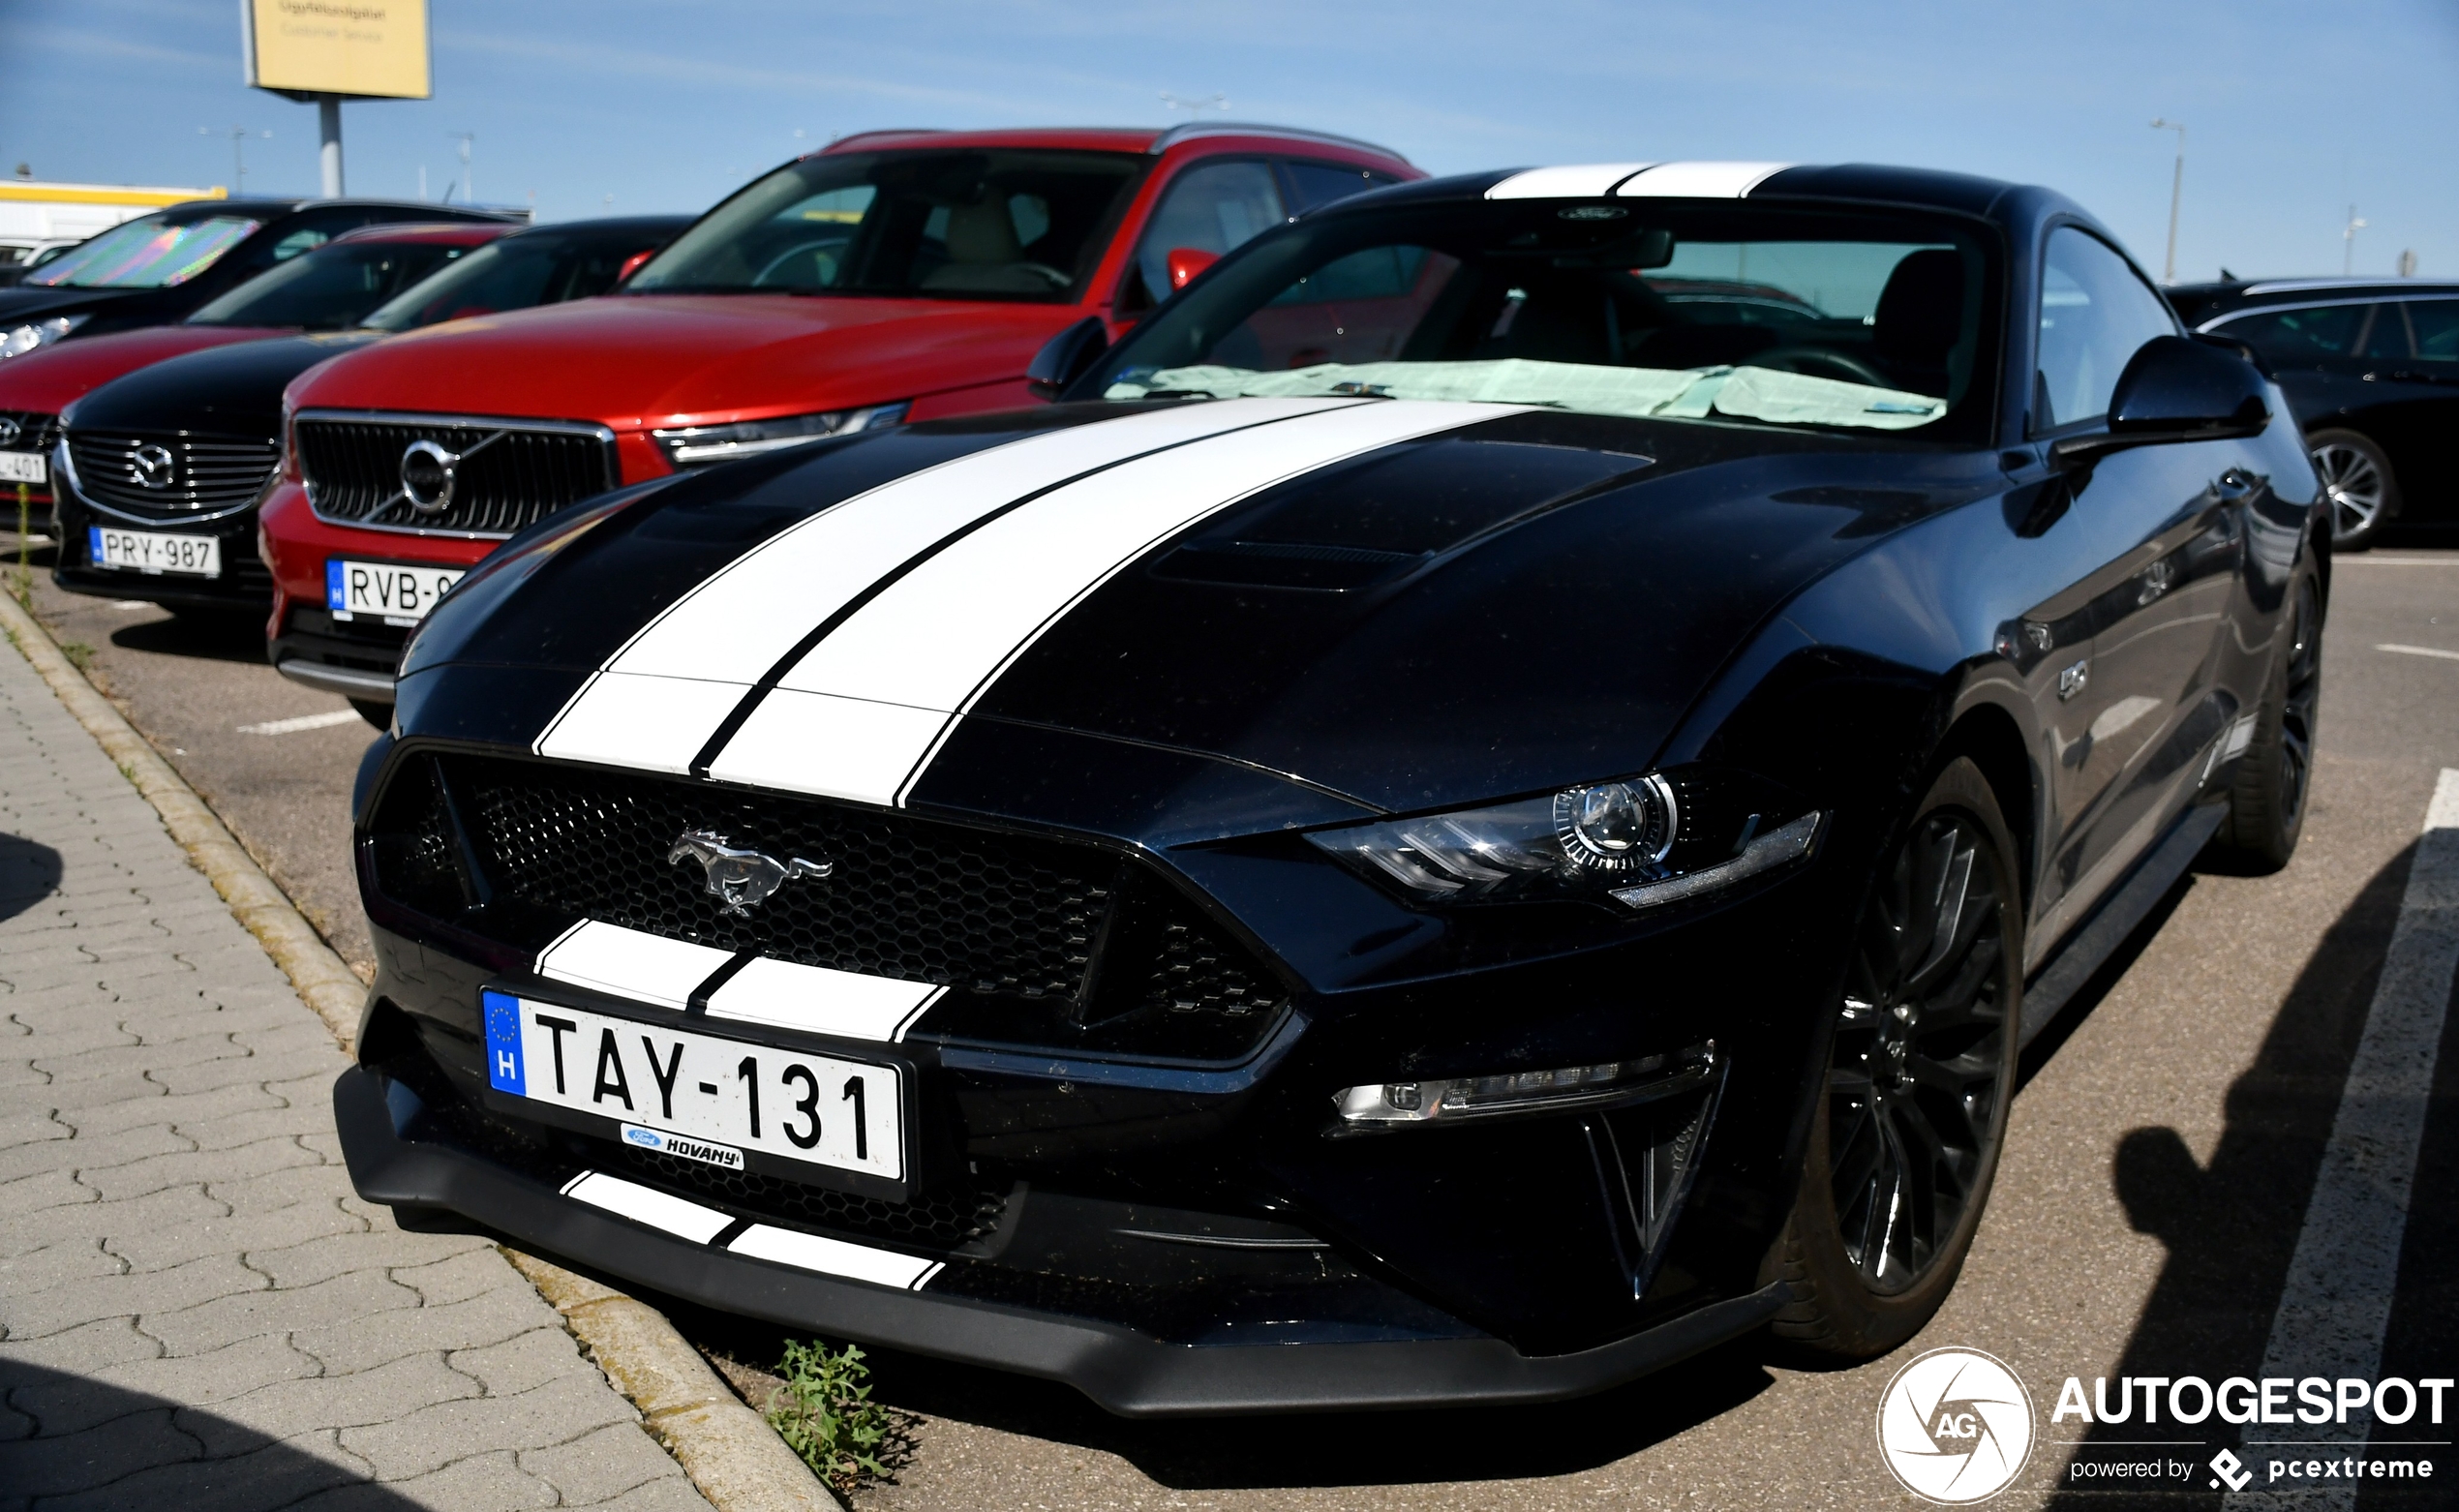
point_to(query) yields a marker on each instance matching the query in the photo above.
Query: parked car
(1468, 869)
(162, 468)
(896, 275)
(2371, 367)
(18, 258)
(153, 272)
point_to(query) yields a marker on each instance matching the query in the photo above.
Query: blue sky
(2294, 109)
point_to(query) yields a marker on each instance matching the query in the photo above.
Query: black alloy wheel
(1914, 1105)
(1917, 1082)
(2267, 795)
(2356, 476)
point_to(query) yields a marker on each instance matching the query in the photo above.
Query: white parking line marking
(2345, 1273)
(302, 722)
(132, 603)
(2420, 651)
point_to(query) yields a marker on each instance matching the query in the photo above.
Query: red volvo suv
(895, 275)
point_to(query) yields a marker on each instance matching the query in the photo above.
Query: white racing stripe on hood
(862, 712)
(656, 702)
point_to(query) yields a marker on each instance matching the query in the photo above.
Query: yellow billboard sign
(367, 49)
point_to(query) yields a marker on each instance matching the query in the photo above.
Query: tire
(2268, 799)
(2364, 492)
(381, 715)
(1912, 1110)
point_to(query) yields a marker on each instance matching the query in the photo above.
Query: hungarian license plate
(143, 551)
(385, 591)
(23, 466)
(696, 1095)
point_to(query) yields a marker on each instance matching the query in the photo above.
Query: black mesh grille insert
(507, 475)
(905, 897)
(1046, 943)
(172, 475)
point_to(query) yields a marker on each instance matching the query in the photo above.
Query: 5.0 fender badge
(741, 879)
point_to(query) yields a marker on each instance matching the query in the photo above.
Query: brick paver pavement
(196, 1313)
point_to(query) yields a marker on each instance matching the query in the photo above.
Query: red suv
(895, 276)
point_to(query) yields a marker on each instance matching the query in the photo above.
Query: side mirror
(1185, 262)
(1067, 357)
(632, 265)
(2174, 389)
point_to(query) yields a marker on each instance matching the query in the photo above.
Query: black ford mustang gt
(1451, 827)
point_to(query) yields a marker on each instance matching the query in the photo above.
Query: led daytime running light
(1397, 1104)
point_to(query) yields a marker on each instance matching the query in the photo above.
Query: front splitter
(1127, 1373)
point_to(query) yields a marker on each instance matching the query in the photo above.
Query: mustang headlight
(22, 339)
(1639, 842)
(705, 446)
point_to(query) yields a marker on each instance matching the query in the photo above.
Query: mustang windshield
(1009, 223)
(1663, 308)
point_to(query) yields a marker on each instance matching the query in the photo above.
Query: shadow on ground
(29, 873)
(210, 635)
(69, 1443)
(2232, 1225)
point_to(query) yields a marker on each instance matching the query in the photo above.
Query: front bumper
(1130, 1372)
(244, 586)
(306, 642)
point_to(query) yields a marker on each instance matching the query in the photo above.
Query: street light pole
(328, 131)
(2176, 192)
(2347, 238)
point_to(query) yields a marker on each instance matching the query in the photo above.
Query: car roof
(613, 225)
(451, 233)
(2258, 291)
(1706, 179)
(1151, 140)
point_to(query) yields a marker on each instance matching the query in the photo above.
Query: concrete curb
(734, 1457)
(738, 1462)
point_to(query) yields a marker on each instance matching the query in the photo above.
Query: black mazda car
(1452, 825)
(2371, 369)
(172, 460)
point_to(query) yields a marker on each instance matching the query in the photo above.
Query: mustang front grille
(502, 476)
(170, 476)
(1041, 941)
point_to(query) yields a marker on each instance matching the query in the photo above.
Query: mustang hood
(629, 361)
(45, 379)
(1411, 605)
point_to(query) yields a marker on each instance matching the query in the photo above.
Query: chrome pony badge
(741, 880)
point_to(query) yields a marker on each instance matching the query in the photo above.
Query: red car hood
(45, 380)
(633, 360)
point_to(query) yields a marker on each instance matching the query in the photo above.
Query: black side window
(2387, 337)
(1312, 185)
(2437, 324)
(2299, 338)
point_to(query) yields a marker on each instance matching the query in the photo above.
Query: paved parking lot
(2144, 1223)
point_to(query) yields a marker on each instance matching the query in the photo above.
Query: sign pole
(328, 123)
